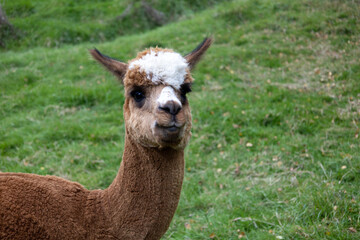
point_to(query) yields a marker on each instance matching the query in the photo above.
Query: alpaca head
(156, 110)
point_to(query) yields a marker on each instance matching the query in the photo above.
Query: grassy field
(54, 23)
(276, 112)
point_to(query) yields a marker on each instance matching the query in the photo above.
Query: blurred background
(275, 104)
(55, 23)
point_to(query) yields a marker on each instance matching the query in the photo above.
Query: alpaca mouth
(172, 127)
(171, 133)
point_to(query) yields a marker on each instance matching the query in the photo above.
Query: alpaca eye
(184, 89)
(138, 95)
(183, 97)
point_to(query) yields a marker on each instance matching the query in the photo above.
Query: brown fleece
(142, 199)
(139, 204)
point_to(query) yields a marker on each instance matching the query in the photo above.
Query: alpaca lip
(171, 128)
(171, 125)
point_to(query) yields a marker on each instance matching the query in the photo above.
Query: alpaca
(142, 199)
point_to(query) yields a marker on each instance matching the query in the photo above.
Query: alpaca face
(157, 116)
(156, 110)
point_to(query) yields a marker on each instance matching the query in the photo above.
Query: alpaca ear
(193, 57)
(116, 67)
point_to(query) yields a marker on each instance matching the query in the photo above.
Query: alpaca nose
(171, 107)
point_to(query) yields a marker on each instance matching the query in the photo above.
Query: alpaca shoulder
(43, 202)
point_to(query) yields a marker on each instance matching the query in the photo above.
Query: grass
(276, 111)
(55, 23)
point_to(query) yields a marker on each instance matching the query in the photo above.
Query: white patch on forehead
(163, 67)
(167, 94)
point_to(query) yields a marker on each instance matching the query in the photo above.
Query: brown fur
(140, 202)
(115, 67)
(195, 56)
(139, 121)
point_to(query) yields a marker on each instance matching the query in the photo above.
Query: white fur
(167, 94)
(163, 67)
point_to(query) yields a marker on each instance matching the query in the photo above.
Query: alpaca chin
(169, 136)
(176, 141)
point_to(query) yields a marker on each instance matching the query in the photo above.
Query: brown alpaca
(142, 199)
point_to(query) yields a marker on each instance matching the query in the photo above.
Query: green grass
(276, 111)
(54, 23)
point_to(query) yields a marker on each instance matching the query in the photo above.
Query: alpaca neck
(142, 199)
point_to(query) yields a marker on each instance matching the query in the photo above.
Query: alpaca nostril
(171, 107)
